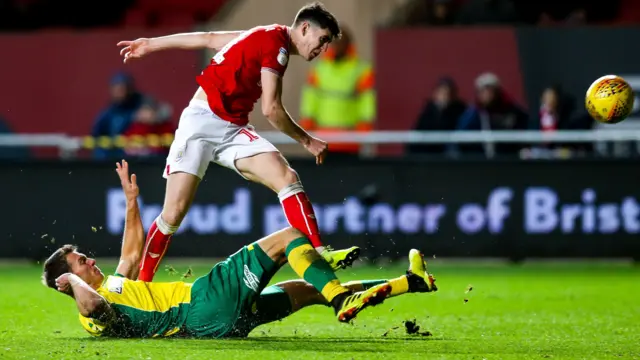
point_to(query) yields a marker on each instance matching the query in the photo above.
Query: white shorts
(203, 137)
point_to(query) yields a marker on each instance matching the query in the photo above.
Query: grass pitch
(512, 312)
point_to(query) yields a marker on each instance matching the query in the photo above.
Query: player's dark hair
(57, 265)
(318, 14)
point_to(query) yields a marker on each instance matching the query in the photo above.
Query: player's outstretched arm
(133, 49)
(89, 302)
(133, 238)
(219, 39)
(278, 116)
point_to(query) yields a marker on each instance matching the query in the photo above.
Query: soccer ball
(609, 99)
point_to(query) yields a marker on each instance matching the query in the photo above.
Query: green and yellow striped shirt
(143, 309)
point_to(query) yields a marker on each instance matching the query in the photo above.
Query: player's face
(85, 268)
(314, 42)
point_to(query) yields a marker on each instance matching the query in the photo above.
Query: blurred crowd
(340, 96)
(135, 115)
(339, 92)
(494, 110)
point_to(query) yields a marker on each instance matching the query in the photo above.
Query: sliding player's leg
(271, 169)
(417, 278)
(222, 298)
(223, 302)
(283, 299)
(290, 245)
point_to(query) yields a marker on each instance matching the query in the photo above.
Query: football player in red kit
(215, 125)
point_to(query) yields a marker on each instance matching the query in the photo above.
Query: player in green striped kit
(230, 301)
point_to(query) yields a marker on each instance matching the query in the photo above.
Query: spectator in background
(559, 107)
(116, 118)
(440, 113)
(556, 113)
(556, 108)
(487, 12)
(494, 110)
(339, 94)
(150, 122)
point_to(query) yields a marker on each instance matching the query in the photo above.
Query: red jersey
(232, 78)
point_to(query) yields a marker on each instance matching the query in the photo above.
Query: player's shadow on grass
(334, 340)
(334, 344)
(330, 345)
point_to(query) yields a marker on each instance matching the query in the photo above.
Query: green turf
(529, 312)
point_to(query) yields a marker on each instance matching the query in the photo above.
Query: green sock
(310, 266)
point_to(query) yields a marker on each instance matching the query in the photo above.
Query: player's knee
(290, 176)
(174, 213)
(287, 178)
(290, 234)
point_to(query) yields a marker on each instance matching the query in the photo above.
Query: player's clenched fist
(318, 148)
(62, 282)
(134, 49)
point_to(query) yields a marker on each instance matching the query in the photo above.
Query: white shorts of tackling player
(202, 137)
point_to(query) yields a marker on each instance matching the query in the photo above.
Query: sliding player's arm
(89, 302)
(133, 238)
(216, 40)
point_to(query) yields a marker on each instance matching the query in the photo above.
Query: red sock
(154, 250)
(299, 212)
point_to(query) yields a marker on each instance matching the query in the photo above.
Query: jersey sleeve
(92, 326)
(275, 53)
